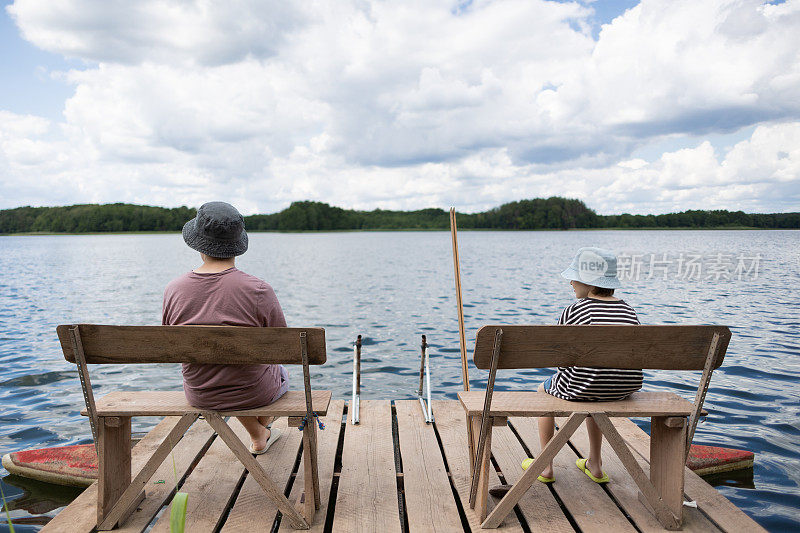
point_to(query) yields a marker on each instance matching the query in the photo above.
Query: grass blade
(177, 514)
(5, 506)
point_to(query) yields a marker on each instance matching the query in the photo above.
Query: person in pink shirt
(217, 293)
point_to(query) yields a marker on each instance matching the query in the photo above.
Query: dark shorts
(547, 384)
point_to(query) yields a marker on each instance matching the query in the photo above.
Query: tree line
(539, 213)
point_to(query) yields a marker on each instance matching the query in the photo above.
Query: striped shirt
(596, 384)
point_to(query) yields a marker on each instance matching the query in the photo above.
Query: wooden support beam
(252, 466)
(480, 474)
(485, 426)
(511, 499)
(702, 389)
(309, 437)
(664, 515)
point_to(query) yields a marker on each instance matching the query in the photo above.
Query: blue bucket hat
(594, 266)
(217, 231)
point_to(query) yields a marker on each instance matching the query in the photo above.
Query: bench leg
(482, 471)
(134, 493)
(471, 443)
(113, 461)
(667, 462)
(311, 501)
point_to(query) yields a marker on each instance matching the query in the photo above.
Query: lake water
(393, 287)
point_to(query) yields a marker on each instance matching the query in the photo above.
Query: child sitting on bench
(593, 276)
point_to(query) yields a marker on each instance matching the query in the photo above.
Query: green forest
(554, 213)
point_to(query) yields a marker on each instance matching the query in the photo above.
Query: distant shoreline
(403, 230)
(537, 214)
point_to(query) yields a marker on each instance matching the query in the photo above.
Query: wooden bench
(110, 417)
(641, 347)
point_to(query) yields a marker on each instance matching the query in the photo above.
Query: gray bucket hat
(594, 266)
(217, 231)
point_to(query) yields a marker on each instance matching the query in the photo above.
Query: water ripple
(391, 297)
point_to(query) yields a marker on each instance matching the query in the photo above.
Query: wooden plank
(327, 442)
(540, 509)
(710, 502)
(586, 501)
(113, 461)
(429, 499)
(529, 403)
(80, 516)
(505, 506)
(194, 344)
(626, 492)
(253, 511)
(172, 403)
(452, 430)
(210, 487)
(367, 495)
(658, 347)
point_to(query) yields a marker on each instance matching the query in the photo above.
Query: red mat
(64, 465)
(711, 459)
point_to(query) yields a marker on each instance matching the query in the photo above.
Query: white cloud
(12, 125)
(201, 32)
(410, 104)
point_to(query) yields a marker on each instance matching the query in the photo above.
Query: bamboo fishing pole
(462, 339)
(459, 303)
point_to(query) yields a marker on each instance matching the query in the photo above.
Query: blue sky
(644, 107)
(27, 87)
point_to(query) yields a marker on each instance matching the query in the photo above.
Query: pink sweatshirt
(227, 298)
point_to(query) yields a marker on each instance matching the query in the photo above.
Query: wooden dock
(394, 473)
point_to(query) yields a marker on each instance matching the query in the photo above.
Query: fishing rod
(356, 403)
(459, 302)
(461, 336)
(425, 373)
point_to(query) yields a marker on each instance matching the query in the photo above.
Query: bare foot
(547, 472)
(597, 471)
(261, 443)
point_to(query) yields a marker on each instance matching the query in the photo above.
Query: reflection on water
(34, 499)
(393, 287)
(742, 479)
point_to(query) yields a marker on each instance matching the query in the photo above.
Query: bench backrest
(194, 344)
(647, 347)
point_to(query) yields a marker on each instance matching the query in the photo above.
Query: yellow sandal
(581, 464)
